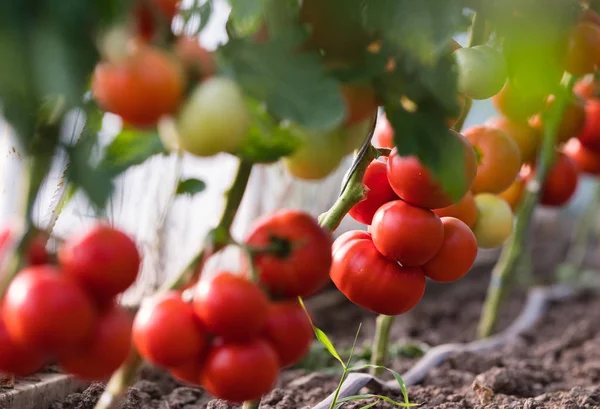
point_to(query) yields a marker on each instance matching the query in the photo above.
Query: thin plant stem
(381, 343)
(250, 405)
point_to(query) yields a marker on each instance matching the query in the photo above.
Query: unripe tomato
(370, 280)
(166, 331)
(588, 161)
(415, 184)
(302, 267)
(106, 350)
(355, 135)
(590, 134)
(231, 307)
(583, 49)
(407, 234)
(457, 254)
(384, 133)
(17, 359)
(197, 60)
(495, 221)
(240, 372)
(319, 154)
(498, 156)
(153, 81)
(104, 260)
(514, 193)
(481, 71)
(48, 311)
(361, 103)
(462, 102)
(465, 210)
(288, 331)
(379, 192)
(516, 104)
(527, 138)
(214, 118)
(561, 182)
(145, 18)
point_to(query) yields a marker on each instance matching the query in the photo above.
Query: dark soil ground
(556, 364)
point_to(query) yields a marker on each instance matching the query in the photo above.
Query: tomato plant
(583, 49)
(18, 359)
(528, 138)
(514, 193)
(144, 13)
(465, 210)
(231, 307)
(481, 71)
(517, 104)
(360, 103)
(295, 238)
(571, 123)
(384, 133)
(561, 182)
(495, 221)
(587, 161)
(590, 134)
(371, 280)
(197, 60)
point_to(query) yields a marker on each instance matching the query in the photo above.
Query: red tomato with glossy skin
(47, 310)
(196, 59)
(289, 331)
(361, 103)
(36, 252)
(349, 236)
(590, 134)
(103, 259)
(561, 182)
(188, 373)
(16, 359)
(515, 104)
(588, 161)
(240, 372)
(380, 192)
(457, 255)
(154, 82)
(465, 210)
(303, 267)
(166, 331)
(107, 349)
(583, 49)
(370, 280)
(231, 307)
(145, 19)
(415, 184)
(383, 136)
(499, 159)
(407, 234)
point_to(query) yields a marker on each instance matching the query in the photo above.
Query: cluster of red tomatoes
(67, 312)
(235, 327)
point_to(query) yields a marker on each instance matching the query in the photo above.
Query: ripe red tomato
(240, 372)
(196, 59)
(231, 307)
(289, 331)
(379, 192)
(103, 259)
(16, 359)
(370, 280)
(36, 252)
(154, 82)
(145, 18)
(188, 373)
(407, 234)
(46, 310)
(301, 238)
(457, 255)
(384, 133)
(465, 210)
(588, 161)
(516, 104)
(361, 102)
(107, 349)
(527, 138)
(583, 49)
(415, 184)
(561, 182)
(499, 159)
(590, 134)
(166, 331)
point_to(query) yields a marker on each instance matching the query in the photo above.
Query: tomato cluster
(67, 312)
(232, 328)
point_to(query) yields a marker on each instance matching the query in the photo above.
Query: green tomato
(354, 135)
(481, 71)
(318, 155)
(214, 118)
(494, 222)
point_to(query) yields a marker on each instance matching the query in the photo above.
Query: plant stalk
(215, 240)
(381, 341)
(250, 405)
(514, 247)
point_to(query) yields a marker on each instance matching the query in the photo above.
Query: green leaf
(129, 148)
(396, 376)
(267, 140)
(246, 15)
(425, 134)
(190, 187)
(294, 85)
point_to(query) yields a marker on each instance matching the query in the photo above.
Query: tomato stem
(250, 405)
(381, 340)
(514, 247)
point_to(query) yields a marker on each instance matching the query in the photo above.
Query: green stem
(250, 405)
(215, 240)
(513, 249)
(339, 388)
(381, 343)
